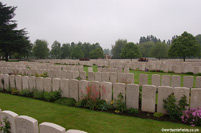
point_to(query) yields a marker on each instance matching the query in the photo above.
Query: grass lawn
(137, 75)
(82, 119)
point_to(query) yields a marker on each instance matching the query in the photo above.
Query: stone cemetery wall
(26, 124)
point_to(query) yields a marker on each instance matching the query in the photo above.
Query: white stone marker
(117, 89)
(1, 81)
(143, 79)
(195, 98)
(18, 79)
(148, 98)
(176, 81)
(25, 83)
(73, 85)
(163, 93)
(83, 75)
(129, 78)
(64, 88)
(26, 124)
(90, 69)
(180, 92)
(11, 116)
(188, 81)
(106, 76)
(83, 84)
(198, 82)
(47, 84)
(47, 127)
(165, 80)
(56, 84)
(132, 96)
(32, 83)
(156, 80)
(106, 91)
(113, 77)
(90, 76)
(98, 76)
(12, 81)
(6, 81)
(39, 83)
(75, 131)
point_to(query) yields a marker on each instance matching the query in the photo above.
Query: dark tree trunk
(184, 58)
(6, 56)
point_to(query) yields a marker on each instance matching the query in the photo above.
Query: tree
(65, 51)
(77, 53)
(40, 49)
(96, 53)
(56, 50)
(130, 51)
(184, 46)
(150, 38)
(198, 38)
(159, 50)
(145, 48)
(117, 48)
(107, 51)
(11, 40)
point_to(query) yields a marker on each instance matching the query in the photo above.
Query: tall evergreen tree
(11, 40)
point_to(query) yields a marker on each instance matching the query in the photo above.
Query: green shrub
(198, 74)
(44, 75)
(51, 96)
(158, 115)
(25, 92)
(170, 72)
(38, 94)
(66, 101)
(175, 110)
(120, 104)
(78, 78)
(132, 111)
(189, 73)
(5, 126)
(104, 106)
(14, 91)
(78, 104)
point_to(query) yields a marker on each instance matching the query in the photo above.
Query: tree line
(15, 43)
(183, 46)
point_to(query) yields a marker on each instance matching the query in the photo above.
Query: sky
(106, 21)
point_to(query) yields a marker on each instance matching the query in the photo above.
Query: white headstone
(132, 96)
(148, 98)
(10, 116)
(26, 124)
(47, 127)
(56, 84)
(64, 88)
(163, 93)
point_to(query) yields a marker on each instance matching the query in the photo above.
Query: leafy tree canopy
(117, 48)
(160, 50)
(130, 51)
(77, 53)
(40, 49)
(96, 53)
(56, 50)
(145, 48)
(184, 46)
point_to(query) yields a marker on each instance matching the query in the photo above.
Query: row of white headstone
(26, 124)
(167, 80)
(105, 90)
